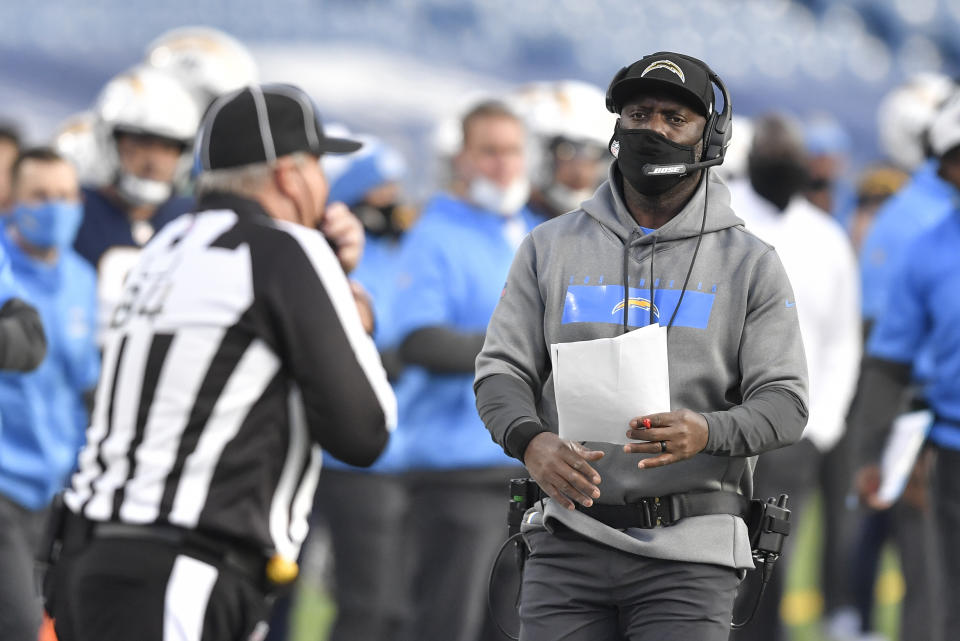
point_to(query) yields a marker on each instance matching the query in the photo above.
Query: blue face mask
(52, 224)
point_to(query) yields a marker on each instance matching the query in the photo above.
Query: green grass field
(802, 606)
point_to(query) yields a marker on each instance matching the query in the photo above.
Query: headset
(716, 133)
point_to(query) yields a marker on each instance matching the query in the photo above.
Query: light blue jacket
(453, 267)
(42, 413)
(376, 273)
(926, 312)
(918, 206)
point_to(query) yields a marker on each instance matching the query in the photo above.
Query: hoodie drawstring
(626, 276)
(696, 250)
(686, 279)
(653, 254)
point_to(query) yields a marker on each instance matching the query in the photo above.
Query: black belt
(653, 511)
(248, 563)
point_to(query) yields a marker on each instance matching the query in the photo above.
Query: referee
(234, 356)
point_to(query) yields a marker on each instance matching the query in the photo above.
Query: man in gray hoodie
(647, 540)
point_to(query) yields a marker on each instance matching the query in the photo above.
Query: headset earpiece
(718, 129)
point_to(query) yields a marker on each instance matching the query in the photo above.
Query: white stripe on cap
(265, 134)
(309, 117)
(205, 130)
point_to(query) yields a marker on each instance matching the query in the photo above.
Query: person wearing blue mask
(43, 414)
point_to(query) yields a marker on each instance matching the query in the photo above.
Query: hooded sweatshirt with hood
(734, 350)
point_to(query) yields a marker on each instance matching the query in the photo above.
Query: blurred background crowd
(117, 90)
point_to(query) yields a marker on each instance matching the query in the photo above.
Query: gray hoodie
(734, 349)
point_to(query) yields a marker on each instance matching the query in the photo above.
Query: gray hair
(246, 180)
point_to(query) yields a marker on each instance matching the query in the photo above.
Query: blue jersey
(105, 225)
(919, 205)
(376, 273)
(925, 311)
(453, 267)
(43, 412)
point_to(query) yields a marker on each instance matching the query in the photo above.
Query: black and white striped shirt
(235, 354)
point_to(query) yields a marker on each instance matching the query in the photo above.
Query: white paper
(602, 384)
(900, 454)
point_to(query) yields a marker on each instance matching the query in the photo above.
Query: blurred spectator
(43, 414)
(874, 187)
(734, 167)
(904, 115)
(369, 183)
(828, 148)
(570, 135)
(922, 203)
(923, 322)
(452, 269)
(364, 509)
(823, 272)
(147, 121)
(903, 118)
(9, 148)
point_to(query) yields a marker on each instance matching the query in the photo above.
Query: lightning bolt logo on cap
(665, 64)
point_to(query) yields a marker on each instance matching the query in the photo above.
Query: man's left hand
(345, 233)
(675, 436)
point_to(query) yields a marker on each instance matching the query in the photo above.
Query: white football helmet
(207, 61)
(565, 117)
(567, 108)
(147, 101)
(905, 114)
(77, 140)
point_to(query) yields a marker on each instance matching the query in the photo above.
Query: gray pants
(366, 516)
(946, 507)
(20, 606)
(575, 589)
(458, 519)
(839, 526)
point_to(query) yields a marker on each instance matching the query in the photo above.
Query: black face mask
(639, 147)
(777, 180)
(389, 221)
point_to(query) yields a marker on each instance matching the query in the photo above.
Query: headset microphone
(679, 169)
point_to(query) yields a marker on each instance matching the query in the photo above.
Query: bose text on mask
(640, 147)
(486, 194)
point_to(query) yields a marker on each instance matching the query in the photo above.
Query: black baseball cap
(681, 75)
(261, 123)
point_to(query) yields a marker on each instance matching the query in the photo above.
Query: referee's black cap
(260, 123)
(681, 75)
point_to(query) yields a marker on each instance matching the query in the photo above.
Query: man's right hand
(562, 470)
(867, 483)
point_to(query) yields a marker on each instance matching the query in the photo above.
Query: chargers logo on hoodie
(604, 304)
(641, 303)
